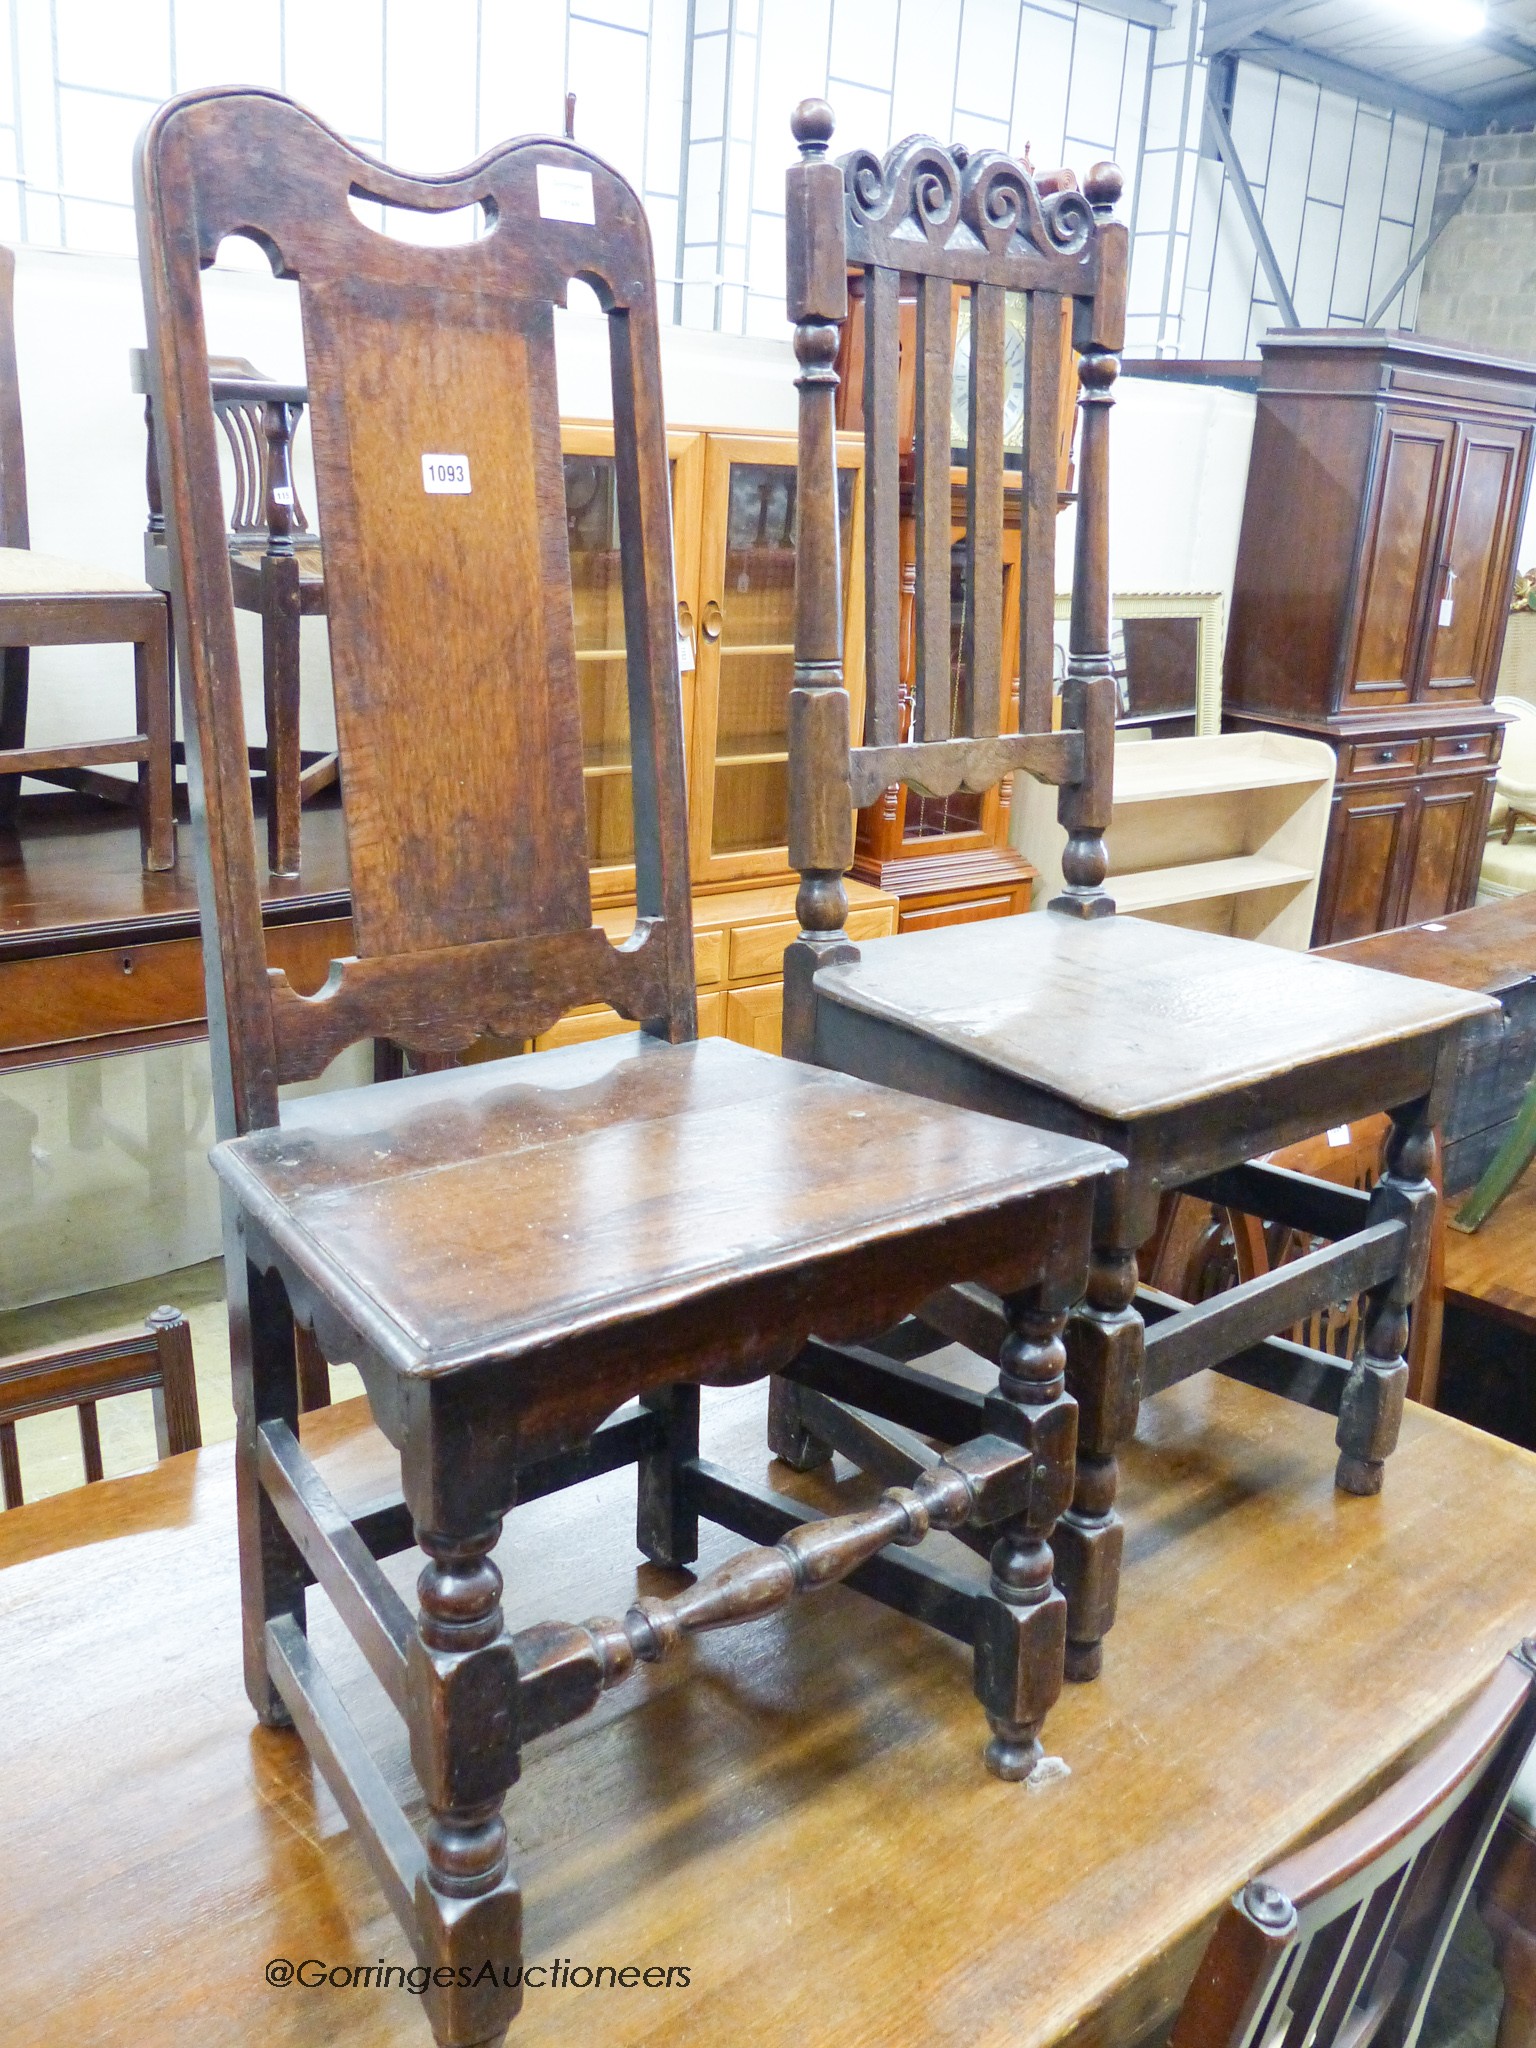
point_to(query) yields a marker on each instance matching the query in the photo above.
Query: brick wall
(1480, 278)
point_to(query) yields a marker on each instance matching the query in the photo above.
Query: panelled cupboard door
(1397, 559)
(755, 1016)
(738, 789)
(1450, 827)
(1369, 857)
(1470, 590)
(597, 599)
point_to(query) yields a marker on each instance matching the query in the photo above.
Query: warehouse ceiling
(1388, 52)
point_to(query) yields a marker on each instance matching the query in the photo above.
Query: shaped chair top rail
(434, 415)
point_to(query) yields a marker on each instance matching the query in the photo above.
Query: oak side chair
(275, 569)
(52, 601)
(1339, 1945)
(159, 1362)
(513, 1251)
(1185, 1051)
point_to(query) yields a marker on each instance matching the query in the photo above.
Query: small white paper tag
(684, 651)
(445, 475)
(1431, 927)
(282, 495)
(565, 194)
(1339, 1135)
(1447, 610)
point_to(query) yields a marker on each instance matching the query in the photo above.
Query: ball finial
(811, 124)
(1103, 186)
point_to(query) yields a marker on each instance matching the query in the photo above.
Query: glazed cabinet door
(1414, 458)
(597, 599)
(1367, 863)
(1469, 599)
(1451, 826)
(739, 790)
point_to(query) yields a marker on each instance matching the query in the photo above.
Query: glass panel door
(747, 654)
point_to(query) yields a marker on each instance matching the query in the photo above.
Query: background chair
(50, 601)
(275, 569)
(1185, 1051)
(1342, 1942)
(533, 1262)
(80, 1375)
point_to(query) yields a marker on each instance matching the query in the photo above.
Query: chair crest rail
(941, 767)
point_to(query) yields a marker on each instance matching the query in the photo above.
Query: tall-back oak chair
(512, 1252)
(1185, 1051)
(1339, 1945)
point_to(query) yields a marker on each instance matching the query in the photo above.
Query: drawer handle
(1462, 747)
(1386, 754)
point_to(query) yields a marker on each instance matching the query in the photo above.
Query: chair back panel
(491, 841)
(434, 415)
(1339, 1945)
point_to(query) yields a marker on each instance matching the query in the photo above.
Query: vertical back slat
(882, 505)
(10, 1466)
(90, 1441)
(982, 644)
(931, 492)
(1037, 512)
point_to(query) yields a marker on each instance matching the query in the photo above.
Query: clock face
(1015, 327)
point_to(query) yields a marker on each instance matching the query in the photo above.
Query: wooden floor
(794, 1813)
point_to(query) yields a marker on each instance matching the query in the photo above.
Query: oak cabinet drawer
(757, 950)
(708, 958)
(755, 1017)
(1378, 760)
(966, 910)
(1462, 749)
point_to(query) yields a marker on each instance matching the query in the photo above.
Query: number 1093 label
(445, 475)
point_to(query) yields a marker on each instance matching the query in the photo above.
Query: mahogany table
(796, 1813)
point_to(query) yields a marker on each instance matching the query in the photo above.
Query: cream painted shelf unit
(1223, 833)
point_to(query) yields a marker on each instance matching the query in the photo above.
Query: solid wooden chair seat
(514, 1210)
(27, 572)
(1124, 1018)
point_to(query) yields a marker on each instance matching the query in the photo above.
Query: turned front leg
(1105, 1346)
(1021, 1627)
(464, 1747)
(1372, 1408)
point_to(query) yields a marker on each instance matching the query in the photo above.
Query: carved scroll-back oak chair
(1339, 1945)
(53, 601)
(1185, 1051)
(275, 569)
(512, 1251)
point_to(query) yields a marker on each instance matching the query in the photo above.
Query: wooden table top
(795, 1812)
(1488, 948)
(1494, 1269)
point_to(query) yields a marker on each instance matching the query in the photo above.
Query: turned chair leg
(1021, 1628)
(15, 664)
(266, 1389)
(157, 722)
(1105, 1344)
(1372, 1408)
(462, 1690)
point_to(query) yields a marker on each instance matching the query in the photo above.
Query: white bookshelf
(1223, 833)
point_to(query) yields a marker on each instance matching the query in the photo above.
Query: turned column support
(462, 1689)
(1372, 1408)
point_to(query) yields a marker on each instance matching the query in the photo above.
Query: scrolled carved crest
(913, 193)
(999, 199)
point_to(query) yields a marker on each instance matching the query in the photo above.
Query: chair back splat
(1339, 1946)
(978, 220)
(434, 414)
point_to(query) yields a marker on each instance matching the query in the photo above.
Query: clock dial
(1016, 326)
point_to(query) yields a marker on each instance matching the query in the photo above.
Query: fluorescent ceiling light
(1450, 18)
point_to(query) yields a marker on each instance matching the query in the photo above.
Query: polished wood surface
(1128, 1018)
(1489, 948)
(754, 1812)
(1493, 1269)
